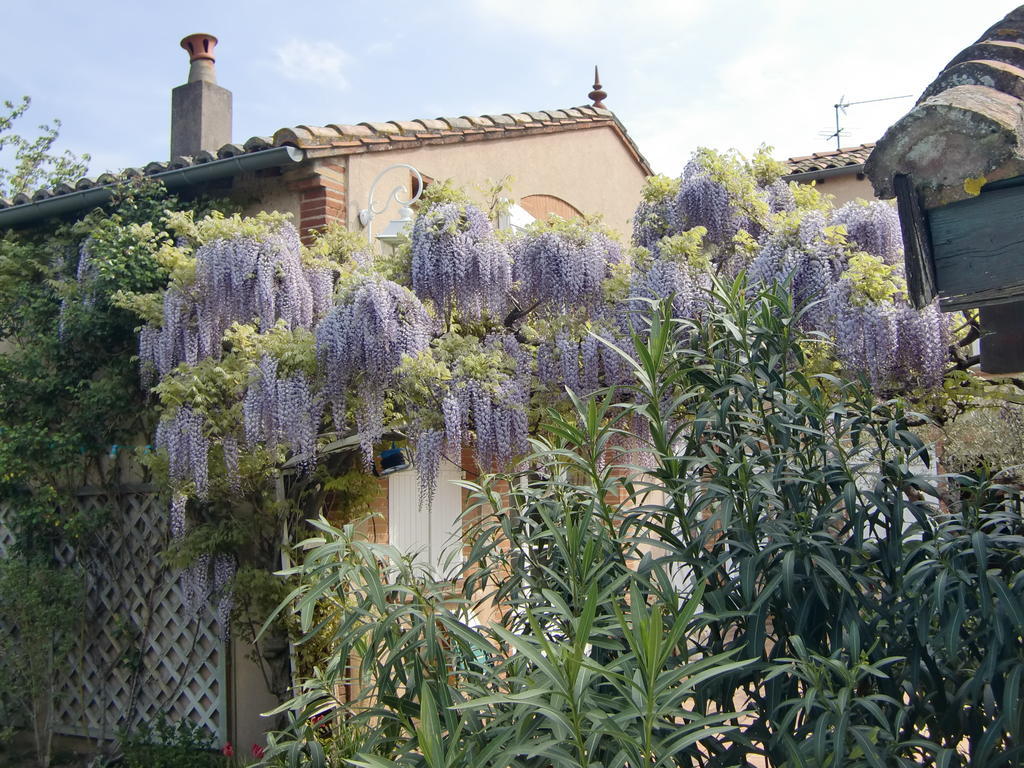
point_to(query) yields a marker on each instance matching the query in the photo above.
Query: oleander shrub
(739, 560)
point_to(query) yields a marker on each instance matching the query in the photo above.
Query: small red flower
(227, 750)
(257, 751)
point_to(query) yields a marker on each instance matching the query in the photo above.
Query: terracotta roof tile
(407, 126)
(256, 143)
(385, 129)
(457, 123)
(230, 150)
(500, 119)
(433, 125)
(295, 136)
(351, 131)
(837, 158)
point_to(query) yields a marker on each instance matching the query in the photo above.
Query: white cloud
(320, 62)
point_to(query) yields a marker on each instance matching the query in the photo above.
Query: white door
(432, 535)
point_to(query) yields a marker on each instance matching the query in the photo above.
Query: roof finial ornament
(597, 95)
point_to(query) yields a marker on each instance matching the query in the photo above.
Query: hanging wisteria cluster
(208, 576)
(808, 260)
(458, 262)
(279, 411)
(582, 363)
(780, 197)
(879, 337)
(704, 200)
(494, 410)
(873, 227)
(878, 334)
(237, 280)
(667, 278)
(891, 344)
(563, 268)
(359, 345)
(184, 437)
(655, 217)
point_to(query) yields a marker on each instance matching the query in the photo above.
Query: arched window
(542, 206)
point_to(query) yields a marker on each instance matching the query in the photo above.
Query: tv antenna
(843, 104)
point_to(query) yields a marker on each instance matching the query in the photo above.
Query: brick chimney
(200, 109)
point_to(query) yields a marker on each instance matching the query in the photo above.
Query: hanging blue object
(392, 460)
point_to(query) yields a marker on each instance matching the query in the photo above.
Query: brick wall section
(375, 528)
(322, 198)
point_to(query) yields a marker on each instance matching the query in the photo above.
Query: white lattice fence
(141, 653)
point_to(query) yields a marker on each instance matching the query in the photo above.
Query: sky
(679, 74)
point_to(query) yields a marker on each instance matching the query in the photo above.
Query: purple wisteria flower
(360, 344)
(458, 262)
(561, 269)
(243, 280)
(873, 227)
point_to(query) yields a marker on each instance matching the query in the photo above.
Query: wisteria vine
(493, 328)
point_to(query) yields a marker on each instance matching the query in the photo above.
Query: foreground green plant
(41, 608)
(882, 625)
(772, 545)
(164, 744)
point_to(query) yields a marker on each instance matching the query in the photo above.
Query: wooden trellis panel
(141, 653)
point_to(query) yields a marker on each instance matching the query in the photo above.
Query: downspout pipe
(177, 178)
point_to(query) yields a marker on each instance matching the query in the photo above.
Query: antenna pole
(838, 129)
(842, 105)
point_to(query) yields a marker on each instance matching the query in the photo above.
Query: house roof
(343, 139)
(846, 157)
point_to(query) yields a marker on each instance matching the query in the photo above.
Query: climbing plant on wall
(262, 352)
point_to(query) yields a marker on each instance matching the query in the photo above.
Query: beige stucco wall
(590, 169)
(846, 187)
(265, 193)
(249, 700)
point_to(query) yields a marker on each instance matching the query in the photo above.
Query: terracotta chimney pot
(200, 53)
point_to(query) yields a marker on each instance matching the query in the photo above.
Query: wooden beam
(917, 247)
(978, 249)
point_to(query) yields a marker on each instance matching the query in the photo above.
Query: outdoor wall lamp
(392, 460)
(393, 231)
